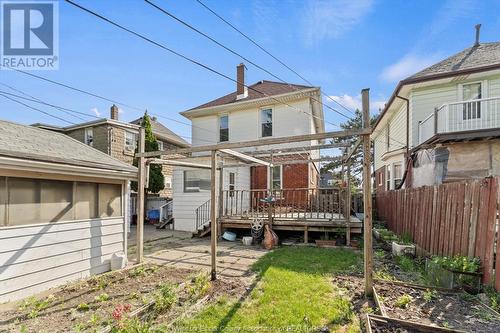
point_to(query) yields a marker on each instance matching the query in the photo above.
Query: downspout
(407, 139)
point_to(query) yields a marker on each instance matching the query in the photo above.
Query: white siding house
(63, 211)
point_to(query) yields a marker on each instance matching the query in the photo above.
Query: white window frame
(160, 144)
(270, 183)
(231, 185)
(484, 94)
(134, 145)
(89, 133)
(381, 178)
(273, 127)
(388, 178)
(219, 127)
(168, 182)
(393, 181)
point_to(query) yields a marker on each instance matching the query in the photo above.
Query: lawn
(293, 292)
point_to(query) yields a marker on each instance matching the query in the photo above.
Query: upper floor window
(472, 109)
(266, 122)
(89, 136)
(224, 128)
(398, 174)
(168, 181)
(130, 140)
(160, 145)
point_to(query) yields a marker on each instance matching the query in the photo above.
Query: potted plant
(403, 245)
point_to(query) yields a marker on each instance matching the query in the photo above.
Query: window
(470, 92)
(231, 183)
(276, 177)
(398, 174)
(388, 178)
(130, 141)
(160, 145)
(3, 200)
(266, 121)
(380, 178)
(89, 136)
(388, 138)
(168, 182)
(86, 201)
(110, 200)
(196, 180)
(224, 128)
(56, 201)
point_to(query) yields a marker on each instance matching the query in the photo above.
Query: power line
(149, 40)
(269, 53)
(35, 109)
(164, 11)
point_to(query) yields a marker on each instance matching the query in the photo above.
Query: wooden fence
(450, 219)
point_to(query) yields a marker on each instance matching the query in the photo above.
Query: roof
(32, 143)
(160, 130)
(257, 90)
(485, 54)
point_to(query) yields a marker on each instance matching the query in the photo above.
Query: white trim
(86, 136)
(270, 180)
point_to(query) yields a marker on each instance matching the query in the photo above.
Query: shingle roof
(164, 132)
(263, 89)
(485, 54)
(32, 143)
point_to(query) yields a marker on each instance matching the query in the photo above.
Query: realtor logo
(29, 35)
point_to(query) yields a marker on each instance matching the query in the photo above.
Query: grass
(294, 291)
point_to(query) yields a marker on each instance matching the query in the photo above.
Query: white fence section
(461, 116)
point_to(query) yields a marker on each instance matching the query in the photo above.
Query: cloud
(354, 102)
(406, 66)
(95, 111)
(329, 19)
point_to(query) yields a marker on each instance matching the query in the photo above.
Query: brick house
(264, 109)
(119, 139)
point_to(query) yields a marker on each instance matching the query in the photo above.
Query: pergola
(250, 156)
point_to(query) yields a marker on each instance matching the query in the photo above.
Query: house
(261, 110)
(119, 139)
(442, 124)
(63, 212)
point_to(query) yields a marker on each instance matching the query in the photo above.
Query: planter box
(452, 279)
(401, 249)
(326, 243)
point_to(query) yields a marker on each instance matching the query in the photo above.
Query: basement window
(266, 122)
(223, 128)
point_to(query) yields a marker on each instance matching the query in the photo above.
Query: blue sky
(340, 45)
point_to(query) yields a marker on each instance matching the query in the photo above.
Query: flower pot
(401, 249)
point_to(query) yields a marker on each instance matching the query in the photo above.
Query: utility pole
(367, 196)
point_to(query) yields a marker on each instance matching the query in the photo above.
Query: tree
(156, 179)
(357, 158)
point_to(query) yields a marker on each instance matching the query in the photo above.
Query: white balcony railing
(461, 116)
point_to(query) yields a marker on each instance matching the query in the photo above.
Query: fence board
(449, 219)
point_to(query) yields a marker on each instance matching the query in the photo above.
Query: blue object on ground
(154, 214)
(230, 236)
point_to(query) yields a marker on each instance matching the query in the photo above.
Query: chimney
(478, 31)
(114, 112)
(241, 90)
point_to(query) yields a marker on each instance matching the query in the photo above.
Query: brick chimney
(478, 31)
(114, 112)
(241, 90)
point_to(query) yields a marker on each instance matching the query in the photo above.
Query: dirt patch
(88, 304)
(383, 326)
(451, 310)
(352, 287)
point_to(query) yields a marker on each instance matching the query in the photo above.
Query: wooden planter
(373, 321)
(402, 249)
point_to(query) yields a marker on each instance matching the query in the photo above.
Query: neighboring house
(119, 139)
(276, 110)
(62, 209)
(443, 123)
(327, 180)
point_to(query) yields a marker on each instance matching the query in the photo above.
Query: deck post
(348, 205)
(306, 235)
(141, 196)
(367, 196)
(213, 217)
(221, 195)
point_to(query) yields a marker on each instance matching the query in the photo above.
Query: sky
(342, 46)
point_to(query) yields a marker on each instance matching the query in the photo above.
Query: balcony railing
(461, 116)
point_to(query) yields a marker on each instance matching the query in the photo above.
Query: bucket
(229, 236)
(247, 240)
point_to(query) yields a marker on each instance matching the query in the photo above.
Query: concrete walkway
(178, 249)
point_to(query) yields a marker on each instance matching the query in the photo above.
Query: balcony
(464, 116)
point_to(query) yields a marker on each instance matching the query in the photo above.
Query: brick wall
(294, 175)
(379, 186)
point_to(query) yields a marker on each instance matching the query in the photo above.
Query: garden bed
(380, 324)
(434, 307)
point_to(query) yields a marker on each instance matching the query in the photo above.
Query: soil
(353, 286)
(66, 309)
(451, 310)
(390, 327)
(387, 264)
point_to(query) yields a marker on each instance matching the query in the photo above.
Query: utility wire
(271, 55)
(164, 11)
(149, 40)
(35, 109)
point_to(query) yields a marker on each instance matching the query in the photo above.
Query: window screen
(3, 200)
(471, 110)
(223, 128)
(56, 199)
(266, 119)
(196, 180)
(86, 201)
(110, 200)
(24, 198)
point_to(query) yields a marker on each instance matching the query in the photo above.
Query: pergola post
(367, 196)
(221, 197)
(141, 184)
(348, 204)
(213, 216)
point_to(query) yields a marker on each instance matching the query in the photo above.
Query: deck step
(165, 222)
(202, 230)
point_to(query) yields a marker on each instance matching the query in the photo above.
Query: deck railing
(302, 203)
(461, 116)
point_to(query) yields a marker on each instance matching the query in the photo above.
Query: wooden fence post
(367, 196)
(213, 217)
(140, 197)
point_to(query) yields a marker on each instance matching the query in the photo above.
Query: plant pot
(401, 249)
(325, 243)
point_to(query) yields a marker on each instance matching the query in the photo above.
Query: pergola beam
(245, 157)
(303, 161)
(298, 149)
(179, 163)
(353, 149)
(259, 142)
